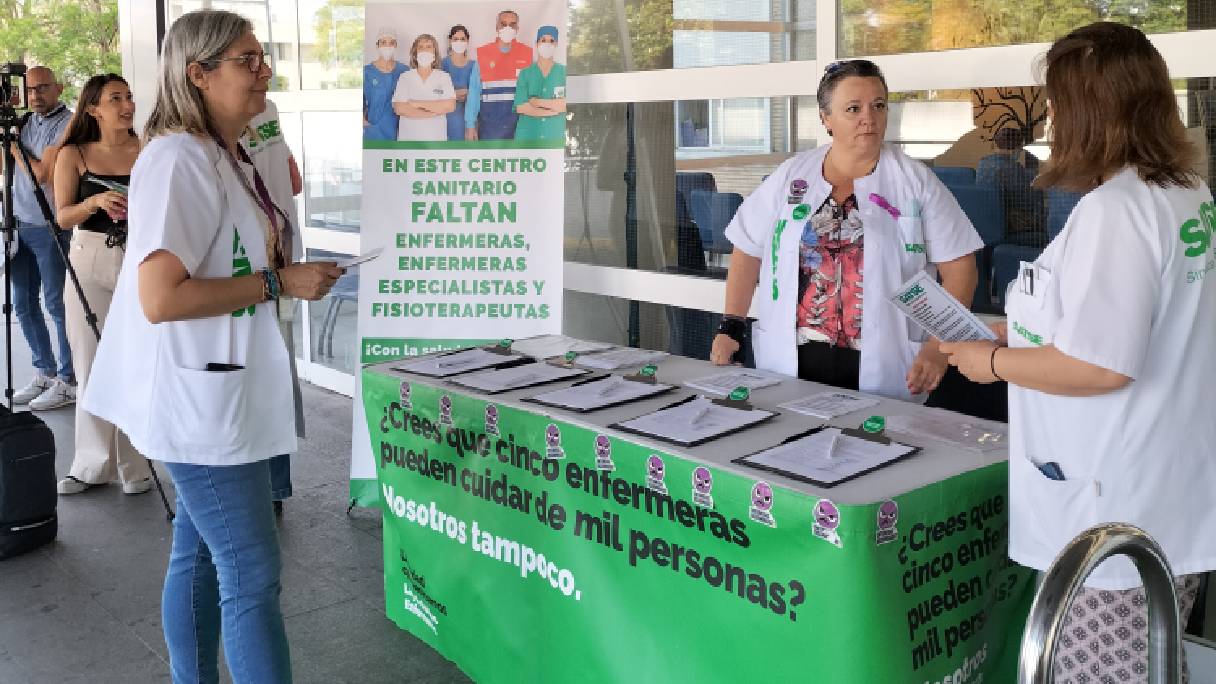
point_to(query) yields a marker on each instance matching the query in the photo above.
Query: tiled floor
(87, 607)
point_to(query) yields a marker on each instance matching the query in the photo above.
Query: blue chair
(1005, 260)
(712, 212)
(983, 207)
(1059, 207)
(955, 175)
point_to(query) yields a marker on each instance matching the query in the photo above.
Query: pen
(701, 414)
(523, 379)
(610, 387)
(832, 446)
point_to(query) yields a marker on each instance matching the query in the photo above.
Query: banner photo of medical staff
(465, 71)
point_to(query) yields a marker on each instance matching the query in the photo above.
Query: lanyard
(281, 239)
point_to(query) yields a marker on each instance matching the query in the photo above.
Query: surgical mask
(386, 53)
(546, 50)
(425, 59)
(506, 34)
(460, 46)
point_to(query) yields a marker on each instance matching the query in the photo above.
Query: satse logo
(1197, 234)
(912, 293)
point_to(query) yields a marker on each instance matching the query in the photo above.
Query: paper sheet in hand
(621, 357)
(610, 391)
(549, 346)
(517, 377)
(813, 459)
(693, 422)
(723, 383)
(362, 258)
(928, 304)
(828, 405)
(444, 365)
(951, 428)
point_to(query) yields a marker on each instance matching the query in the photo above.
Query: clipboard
(455, 380)
(856, 434)
(721, 402)
(509, 359)
(613, 404)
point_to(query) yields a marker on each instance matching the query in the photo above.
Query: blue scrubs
(378, 90)
(465, 115)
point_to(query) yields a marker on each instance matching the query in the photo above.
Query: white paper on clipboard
(922, 299)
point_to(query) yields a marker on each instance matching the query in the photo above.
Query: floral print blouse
(830, 276)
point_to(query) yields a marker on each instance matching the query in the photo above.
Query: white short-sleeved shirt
(151, 380)
(437, 86)
(1129, 285)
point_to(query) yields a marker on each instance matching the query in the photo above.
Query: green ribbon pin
(874, 424)
(571, 356)
(739, 394)
(648, 370)
(801, 211)
(505, 342)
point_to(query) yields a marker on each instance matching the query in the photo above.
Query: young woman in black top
(91, 177)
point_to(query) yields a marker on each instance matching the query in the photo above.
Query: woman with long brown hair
(92, 172)
(1109, 348)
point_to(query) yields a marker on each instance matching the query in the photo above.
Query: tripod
(8, 122)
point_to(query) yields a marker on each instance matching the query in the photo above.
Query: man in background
(500, 62)
(38, 262)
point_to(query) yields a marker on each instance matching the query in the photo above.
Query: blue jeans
(39, 266)
(280, 477)
(223, 577)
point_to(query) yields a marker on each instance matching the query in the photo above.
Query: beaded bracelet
(270, 284)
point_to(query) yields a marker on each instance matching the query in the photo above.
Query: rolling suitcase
(27, 483)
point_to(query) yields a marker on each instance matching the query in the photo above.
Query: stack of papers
(463, 361)
(549, 346)
(621, 357)
(602, 393)
(724, 382)
(829, 405)
(693, 422)
(516, 377)
(827, 457)
(952, 428)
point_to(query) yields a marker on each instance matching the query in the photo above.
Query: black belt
(116, 235)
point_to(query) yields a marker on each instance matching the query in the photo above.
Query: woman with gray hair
(193, 367)
(853, 212)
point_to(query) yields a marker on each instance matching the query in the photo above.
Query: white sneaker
(58, 394)
(32, 391)
(71, 485)
(137, 487)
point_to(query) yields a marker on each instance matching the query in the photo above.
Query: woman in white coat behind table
(193, 367)
(827, 223)
(1110, 358)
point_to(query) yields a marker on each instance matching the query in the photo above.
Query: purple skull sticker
(445, 410)
(654, 467)
(491, 419)
(603, 446)
(405, 394)
(826, 515)
(702, 480)
(553, 436)
(762, 496)
(798, 187)
(888, 513)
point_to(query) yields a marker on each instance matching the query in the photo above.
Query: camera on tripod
(9, 98)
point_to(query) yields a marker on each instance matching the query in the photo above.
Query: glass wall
(652, 180)
(883, 27)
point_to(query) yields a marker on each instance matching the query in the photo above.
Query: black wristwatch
(735, 328)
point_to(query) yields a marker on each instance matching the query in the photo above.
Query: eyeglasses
(252, 60)
(41, 88)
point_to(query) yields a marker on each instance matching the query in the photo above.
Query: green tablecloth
(520, 567)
